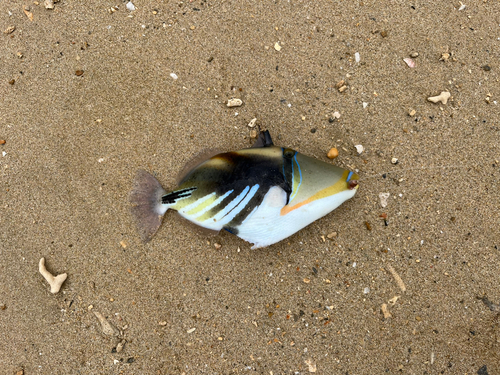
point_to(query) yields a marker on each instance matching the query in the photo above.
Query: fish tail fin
(147, 208)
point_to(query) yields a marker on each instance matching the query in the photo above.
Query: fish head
(316, 183)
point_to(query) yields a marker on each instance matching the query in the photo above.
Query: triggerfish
(262, 194)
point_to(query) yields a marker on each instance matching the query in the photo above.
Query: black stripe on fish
(174, 196)
(255, 201)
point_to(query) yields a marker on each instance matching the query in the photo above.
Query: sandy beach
(92, 91)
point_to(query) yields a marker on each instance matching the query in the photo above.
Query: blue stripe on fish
(231, 205)
(300, 176)
(349, 176)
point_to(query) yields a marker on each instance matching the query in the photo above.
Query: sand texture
(91, 91)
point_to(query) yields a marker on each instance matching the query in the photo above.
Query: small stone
(357, 57)
(343, 88)
(123, 244)
(418, 318)
(366, 290)
(173, 75)
(483, 370)
(9, 30)
(486, 68)
(49, 4)
(311, 365)
(384, 34)
(333, 153)
(193, 27)
(20, 372)
(191, 330)
(79, 73)
(394, 161)
(414, 54)
(359, 149)
(12, 81)
(163, 323)
(306, 280)
(253, 133)
(19, 55)
(234, 102)
(331, 235)
(2, 306)
(445, 56)
(217, 246)
(277, 47)
(336, 115)
(340, 84)
(412, 112)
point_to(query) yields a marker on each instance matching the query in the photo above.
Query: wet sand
(88, 97)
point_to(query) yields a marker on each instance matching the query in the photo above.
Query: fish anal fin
(195, 161)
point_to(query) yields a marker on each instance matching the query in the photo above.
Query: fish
(262, 194)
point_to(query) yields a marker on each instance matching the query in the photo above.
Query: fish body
(262, 194)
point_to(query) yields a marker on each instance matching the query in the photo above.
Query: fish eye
(288, 153)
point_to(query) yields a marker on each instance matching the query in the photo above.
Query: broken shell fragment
(234, 102)
(107, 327)
(385, 311)
(55, 282)
(252, 122)
(443, 97)
(409, 62)
(9, 30)
(359, 149)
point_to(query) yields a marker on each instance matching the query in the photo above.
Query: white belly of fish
(266, 226)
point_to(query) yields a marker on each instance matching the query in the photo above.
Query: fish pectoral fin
(263, 140)
(276, 197)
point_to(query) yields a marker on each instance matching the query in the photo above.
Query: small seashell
(359, 149)
(130, 6)
(409, 62)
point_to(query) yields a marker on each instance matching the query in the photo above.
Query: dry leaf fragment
(28, 13)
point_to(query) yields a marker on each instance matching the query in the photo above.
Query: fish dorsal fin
(263, 140)
(195, 161)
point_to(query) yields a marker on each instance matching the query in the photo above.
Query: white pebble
(359, 149)
(191, 330)
(336, 115)
(462, 6)
(4, 153)
(394, 161)
(173, 75)
(130, 6)
(357, 57)
(234, 102)
(383, 199)
(366, 290)
(365, 104)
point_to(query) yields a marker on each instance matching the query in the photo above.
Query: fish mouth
(352, 180)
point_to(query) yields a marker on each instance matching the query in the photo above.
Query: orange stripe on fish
(337, 187)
